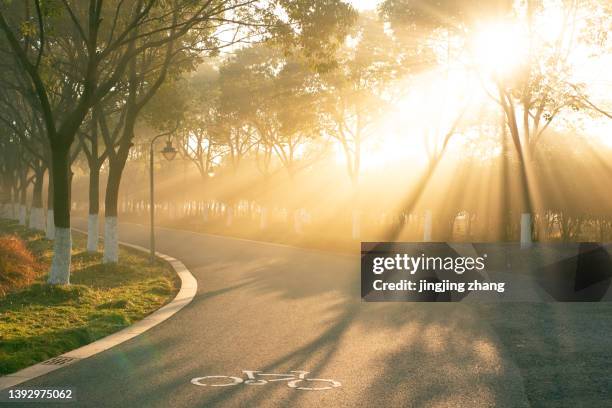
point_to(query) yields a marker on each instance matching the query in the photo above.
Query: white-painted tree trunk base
(37, 219)
(32, 220)
(40, 218)
(15, 212)
(229, 220)
(297, 222)
(22, 214)
(263, 218)
(6, 210)
(92, 233)
(60, 266)
(356, 225)
(50, 225)
(526, 230)
(111, 240)
(427, 227)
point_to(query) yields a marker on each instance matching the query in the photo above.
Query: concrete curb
(188, 289)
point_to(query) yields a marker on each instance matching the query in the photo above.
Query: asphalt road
(276, 309)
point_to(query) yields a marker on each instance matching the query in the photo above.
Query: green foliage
(318, 29)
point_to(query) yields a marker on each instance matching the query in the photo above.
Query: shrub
(18, 266)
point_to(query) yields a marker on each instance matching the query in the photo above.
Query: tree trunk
(356, 224)
(205, 212)
(62, 248)
(15, 204)
(527, 214)
(94, 208)
(526, 210)
(427, 226)
(23, 208)
(298, 226)
(526, 227)
(265, 201)
(504, 211)
(5, 196)
(50, 216)
(37, 216)
(263, 218)
(229, 220)
(111, 233)
(111, 239)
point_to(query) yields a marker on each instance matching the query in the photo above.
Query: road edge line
(186, 293)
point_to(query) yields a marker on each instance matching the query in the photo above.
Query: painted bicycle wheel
(308, 384)
(203, 381)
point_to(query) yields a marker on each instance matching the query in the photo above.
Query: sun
(499, 49)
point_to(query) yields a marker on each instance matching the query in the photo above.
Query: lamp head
(169, 151)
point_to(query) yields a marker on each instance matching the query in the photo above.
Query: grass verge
(39, 321)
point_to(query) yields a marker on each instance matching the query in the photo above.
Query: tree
(355, 92)
(96, 154)
(188, 108)
(148, 71)
(541, 88)
(86, 48)
(91, 45)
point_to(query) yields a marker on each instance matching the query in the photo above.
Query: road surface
(276, 309)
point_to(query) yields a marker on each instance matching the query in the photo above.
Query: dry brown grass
(18, 266)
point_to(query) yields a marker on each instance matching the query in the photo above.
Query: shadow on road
(279, 309)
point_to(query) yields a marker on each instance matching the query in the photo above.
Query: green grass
(41, 321)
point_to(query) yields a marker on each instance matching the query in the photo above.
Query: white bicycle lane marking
(297, 380)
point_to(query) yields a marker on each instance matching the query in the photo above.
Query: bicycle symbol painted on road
(296, 380)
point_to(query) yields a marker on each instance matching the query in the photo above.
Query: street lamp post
(169, 153)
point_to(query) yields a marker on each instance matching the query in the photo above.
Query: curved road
(276, 309)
